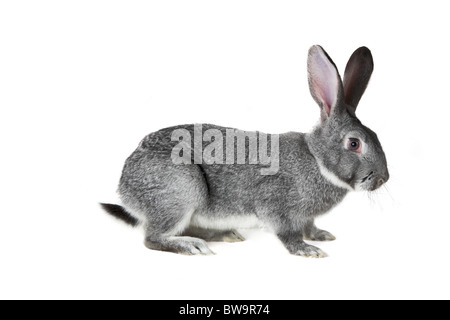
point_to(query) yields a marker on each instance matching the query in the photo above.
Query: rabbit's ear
(324, 81)
(357, 75)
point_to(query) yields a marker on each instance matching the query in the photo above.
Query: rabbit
(182, 206)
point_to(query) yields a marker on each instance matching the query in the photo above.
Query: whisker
(370, 197)
(374, 198)
(389, 193)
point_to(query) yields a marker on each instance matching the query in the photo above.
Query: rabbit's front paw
(309, 251)
(321, 235)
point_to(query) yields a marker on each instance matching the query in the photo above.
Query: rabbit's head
(349, 154)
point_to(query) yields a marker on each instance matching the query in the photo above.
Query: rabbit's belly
(226, 222)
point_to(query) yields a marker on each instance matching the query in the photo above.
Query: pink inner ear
(325, 99)
(325, 80)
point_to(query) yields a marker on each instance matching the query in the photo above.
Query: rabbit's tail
(120, 213)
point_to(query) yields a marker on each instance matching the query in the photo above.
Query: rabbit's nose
(385, 177)
(382, 180)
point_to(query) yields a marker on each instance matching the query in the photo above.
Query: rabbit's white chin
(361, 187)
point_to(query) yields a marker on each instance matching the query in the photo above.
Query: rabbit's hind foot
(182, 245)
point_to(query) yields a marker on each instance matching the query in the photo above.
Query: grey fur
(173, 201)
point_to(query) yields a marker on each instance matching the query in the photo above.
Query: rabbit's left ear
(357, 75)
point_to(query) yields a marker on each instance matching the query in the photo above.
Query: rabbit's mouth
(368, 177)
(366, 183)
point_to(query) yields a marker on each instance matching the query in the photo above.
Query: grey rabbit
(183, 205)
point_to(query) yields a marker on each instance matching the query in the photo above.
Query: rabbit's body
(182, 205)
(223, 196)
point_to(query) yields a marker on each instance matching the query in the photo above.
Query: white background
(81, 82)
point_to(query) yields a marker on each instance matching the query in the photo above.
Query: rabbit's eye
(354, 145)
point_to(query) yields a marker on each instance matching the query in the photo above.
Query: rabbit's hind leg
(165, 196)
(156, 238)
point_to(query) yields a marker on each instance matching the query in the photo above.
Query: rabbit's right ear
(357, 75)
(324, 81)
